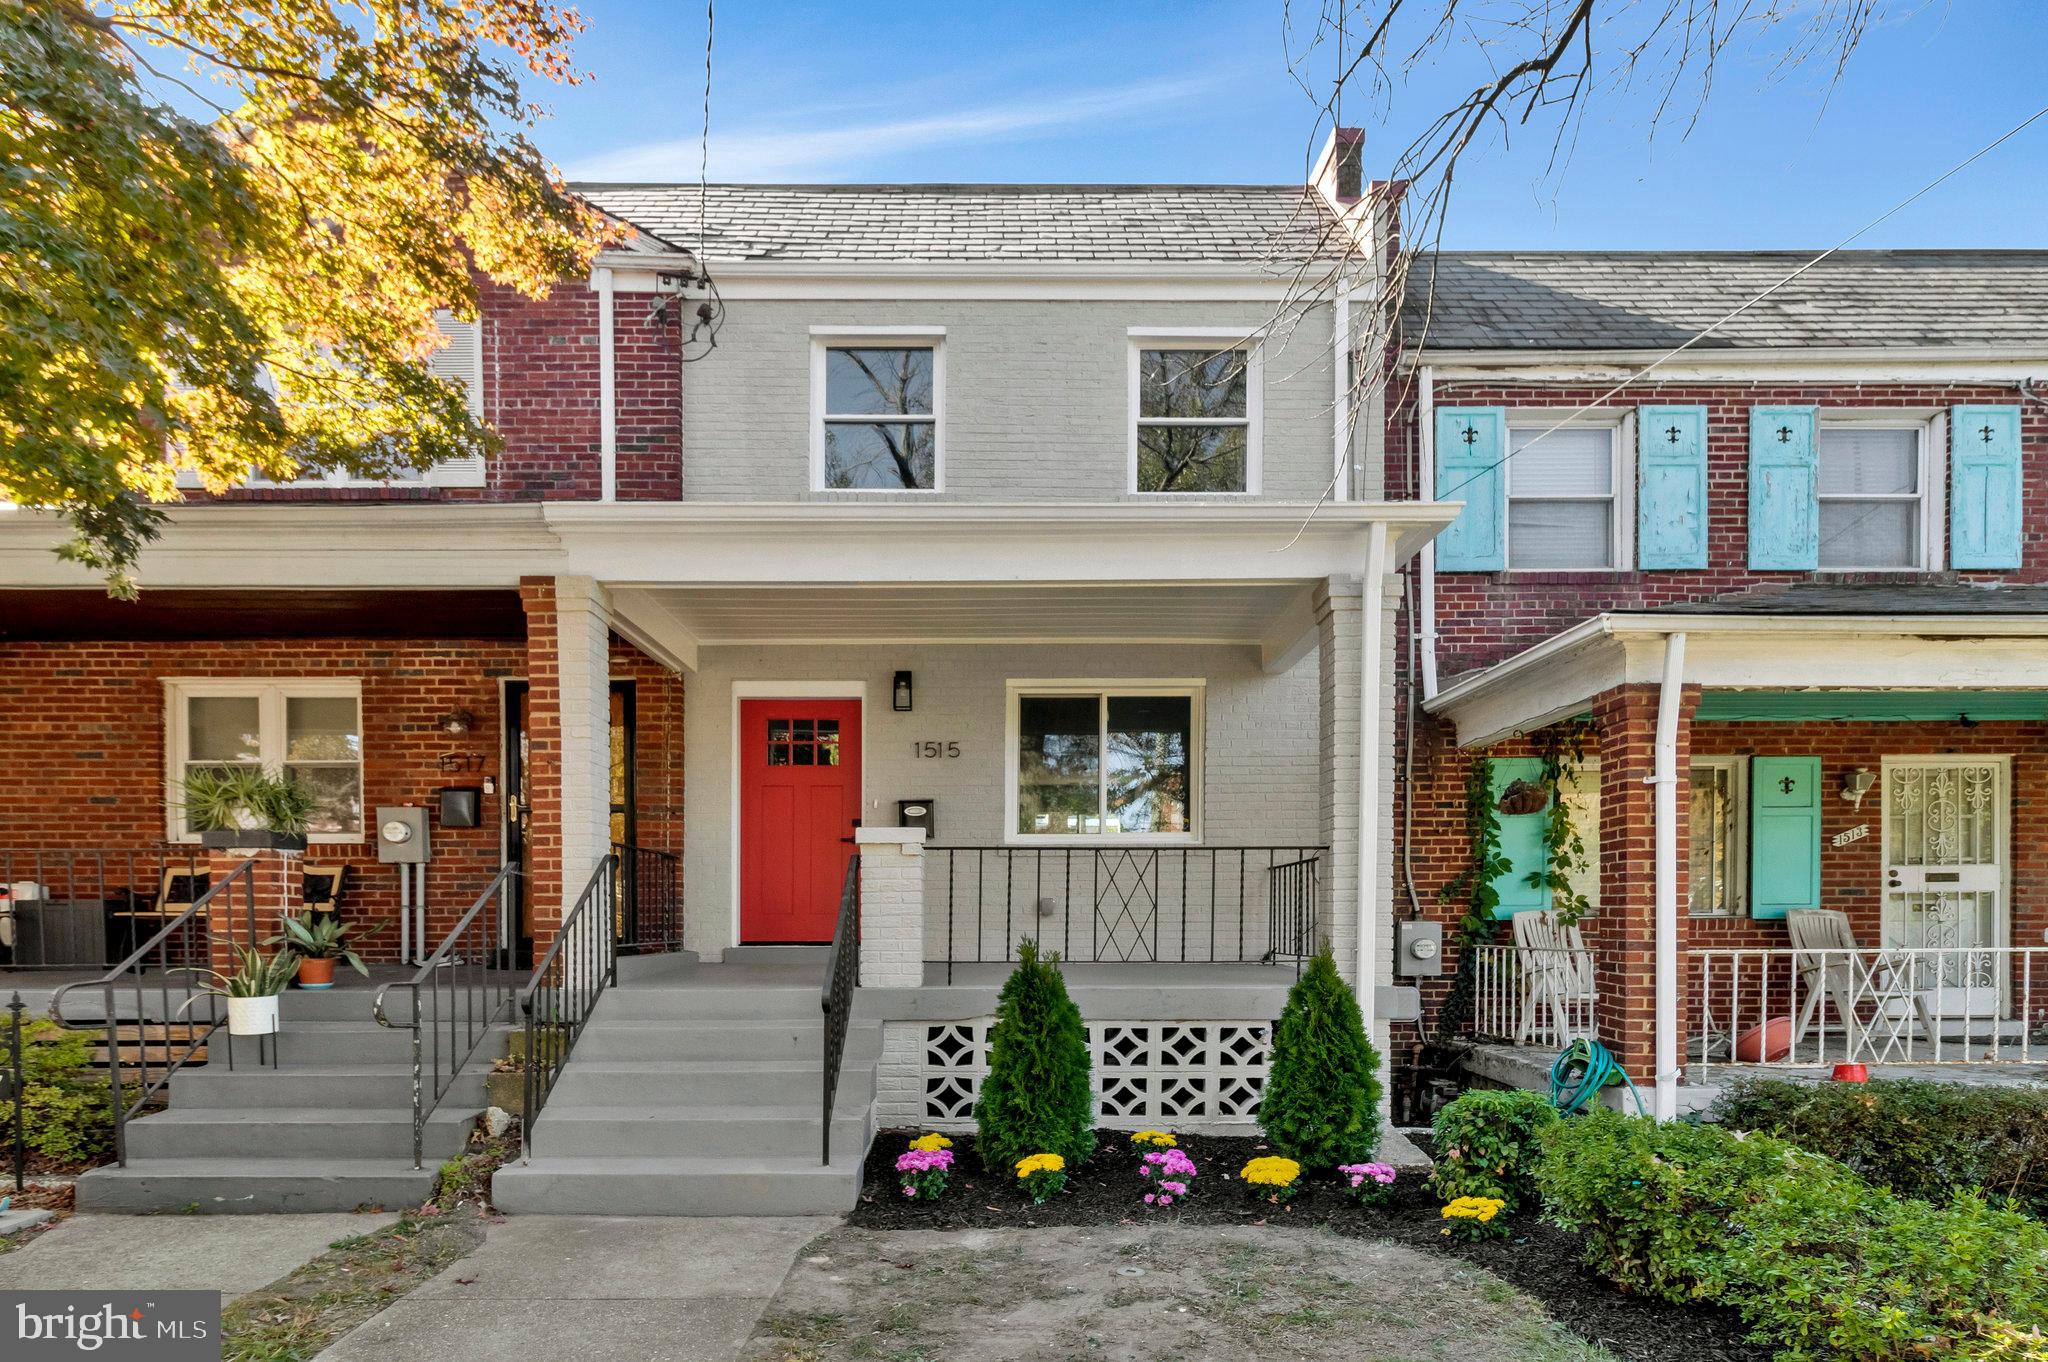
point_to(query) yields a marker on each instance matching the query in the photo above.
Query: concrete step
(796, 1004)
(387, 1086)
(365, 1042)
(712, 1132)
(610, 1038)
(681, 1186)
(254, 1186)
(718, 1082)
(790, 957)
(311, 1132)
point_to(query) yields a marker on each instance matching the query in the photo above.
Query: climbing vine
(1562, 749)
(1474, 885)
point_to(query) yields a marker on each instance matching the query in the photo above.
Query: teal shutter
(1984, 470)
(1470, 445)
(1671, 505)
(1784, 835)
(1784, 516)
(1521, 841)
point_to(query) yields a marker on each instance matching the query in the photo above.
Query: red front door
(799, 799)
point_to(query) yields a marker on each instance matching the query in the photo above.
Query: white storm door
(1944, 877)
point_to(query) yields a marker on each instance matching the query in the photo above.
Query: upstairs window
(1870, 482)
(1194, 415)
(878, 415)
(1562, 497)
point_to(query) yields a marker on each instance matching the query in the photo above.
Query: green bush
(67, 1115)
(1487, 1145)
(1321, 1106)
(1036, 1098)
(1655, 1202)
(1927, 1140)
(1836, 1268)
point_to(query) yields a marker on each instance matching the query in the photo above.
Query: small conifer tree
(1322, 1102)
(1036, 1098)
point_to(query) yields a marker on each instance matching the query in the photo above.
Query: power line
(1696, 338)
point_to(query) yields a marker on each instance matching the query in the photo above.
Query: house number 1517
(935, 749)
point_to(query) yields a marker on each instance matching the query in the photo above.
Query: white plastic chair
(1557, 976)
(1836, 969)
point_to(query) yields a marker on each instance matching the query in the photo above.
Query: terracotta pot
(1766, 1043)
(316, 974)
(1851, 1073)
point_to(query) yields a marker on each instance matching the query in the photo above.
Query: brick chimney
(1339, 174)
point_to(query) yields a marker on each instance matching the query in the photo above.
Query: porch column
(1356, 754)
(891, 907)
(568, 727)
(1623, 934)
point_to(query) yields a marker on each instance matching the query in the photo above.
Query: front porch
(1852, 878)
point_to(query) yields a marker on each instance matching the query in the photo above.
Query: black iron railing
(87, 908)
(222, 920)
(842, 977)
(1118, 904)
(14, 1098)
(649, 900)
(580, 963)
(462, 990)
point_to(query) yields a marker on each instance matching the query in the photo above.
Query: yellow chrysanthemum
(1040, 1163)
(931, 1142)
(1271, 1171)
(1480, 1208)
(1155, 1139)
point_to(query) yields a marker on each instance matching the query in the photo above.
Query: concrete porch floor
(37, 986)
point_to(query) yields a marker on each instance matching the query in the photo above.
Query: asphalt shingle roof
(977, 223)
(1874, 598)
(1652, 300)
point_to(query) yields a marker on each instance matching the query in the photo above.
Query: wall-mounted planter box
(252, 839)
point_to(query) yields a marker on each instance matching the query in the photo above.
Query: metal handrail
(835, 996)
(180, 926)
(472, 962)
(96, 879)
(650, 899)
(16, 1076)
(579, 964)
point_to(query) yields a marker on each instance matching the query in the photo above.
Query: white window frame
(270, 695)
(1931, 428)
(1621, 428)
(1143, 338)
(1737, 768)
(825, 338)
(1194, 689)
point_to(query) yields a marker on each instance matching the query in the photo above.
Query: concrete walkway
(593, 1289)
(231, 1254)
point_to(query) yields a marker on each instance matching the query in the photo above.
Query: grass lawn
(1145, 1293)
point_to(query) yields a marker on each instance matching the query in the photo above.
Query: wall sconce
(456, 722)
(900, 693)
(1856, 784)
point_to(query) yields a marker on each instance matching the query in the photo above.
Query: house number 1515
(935, 749)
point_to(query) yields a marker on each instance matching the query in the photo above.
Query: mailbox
(462, 806)
(919, 813)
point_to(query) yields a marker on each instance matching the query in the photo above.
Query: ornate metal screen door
(1944, 875)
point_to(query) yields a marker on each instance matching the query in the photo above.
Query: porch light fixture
(456, 722)
(900, 699)
(1856, 784)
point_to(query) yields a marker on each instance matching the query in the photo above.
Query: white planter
(252, 1016)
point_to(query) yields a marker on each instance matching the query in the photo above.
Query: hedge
(1920, 1139)
(1486, 1145)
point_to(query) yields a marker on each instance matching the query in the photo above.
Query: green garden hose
(1580, 1071)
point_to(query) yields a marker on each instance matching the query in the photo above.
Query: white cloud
(830, 148)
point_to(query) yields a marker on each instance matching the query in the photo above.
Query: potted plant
(242, 807)
(318, 941)
(251, 990)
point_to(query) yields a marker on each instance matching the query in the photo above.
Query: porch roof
(1901, 653)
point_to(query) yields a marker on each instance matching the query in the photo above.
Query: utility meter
(1418, 948)
(402, 834)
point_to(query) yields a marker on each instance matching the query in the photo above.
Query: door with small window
(799, 803)
(1944, 876)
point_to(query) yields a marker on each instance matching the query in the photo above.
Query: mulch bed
(1539, 1259)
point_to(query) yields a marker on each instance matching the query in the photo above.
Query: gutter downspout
(1670, 695)
(1340, 368)
(1425, 490)
(607, 393)
(1371, 635)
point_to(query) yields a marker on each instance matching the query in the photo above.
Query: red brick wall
(540, 364)
(82, 738)
(1484, 617)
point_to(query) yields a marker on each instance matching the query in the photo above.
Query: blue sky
(1199, 91)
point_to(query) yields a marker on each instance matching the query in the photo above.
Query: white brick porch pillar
(584, 675)
(1337, 610)
(891, 906)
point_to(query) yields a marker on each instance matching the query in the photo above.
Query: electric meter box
(402, 834)
(1419, 948)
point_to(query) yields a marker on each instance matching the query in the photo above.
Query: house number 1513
(935, 749)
